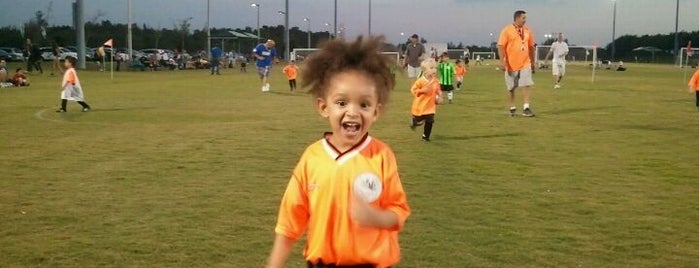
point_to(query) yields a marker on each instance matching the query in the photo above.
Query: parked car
(161, 54)
(5, 56)
(47, 53)
(16, 53)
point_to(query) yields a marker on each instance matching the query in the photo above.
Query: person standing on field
(559, 50)
(516, 50)
(265, 54)
(413, 54)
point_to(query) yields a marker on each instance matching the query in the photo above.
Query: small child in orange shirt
(427, 94)
(291, 70)
(459, 72)
(694, 85)
(345, 193)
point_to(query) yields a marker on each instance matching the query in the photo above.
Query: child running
(446, 76)
(345, 192)
(291, 70)
(459, 72)
(72, 90)
(426, 95)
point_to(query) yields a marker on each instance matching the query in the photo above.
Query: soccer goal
(577, 55)
(484, 55)
(299, 54)
(684, 59)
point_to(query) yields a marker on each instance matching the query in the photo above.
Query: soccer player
(694, 85)
(446, 76)
(264, 53)
(459, 72)
(516, 47)
(413, 53)
(19, 79)
(559, 50)
(426, 95)
(345, 192)
(291, 70)
(71, 88)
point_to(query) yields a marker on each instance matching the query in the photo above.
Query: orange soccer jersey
(460, 70)
(291, 71)
(516, 42)
(424, 103)
(694, 81)
(318, 196)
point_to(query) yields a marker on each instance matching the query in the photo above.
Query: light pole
(257, 6)
(335, 23)
(308, 24)
(369, 17)
(491, 43)
(613, 32)
(286, 33)
(677, 40)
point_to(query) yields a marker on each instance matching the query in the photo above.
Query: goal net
(684, 59)
(300, 54)
(483, 55)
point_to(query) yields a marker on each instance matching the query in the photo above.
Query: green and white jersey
(446, 73)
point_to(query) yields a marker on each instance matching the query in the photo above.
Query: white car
(47, 53)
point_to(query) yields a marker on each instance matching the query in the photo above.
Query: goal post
(483, 55)
(577, 55)
(684, 59)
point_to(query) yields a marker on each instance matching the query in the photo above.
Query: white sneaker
(557, 86)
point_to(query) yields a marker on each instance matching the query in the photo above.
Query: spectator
(216, 54)
(20, 78)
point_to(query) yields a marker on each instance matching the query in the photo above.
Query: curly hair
(338, 56)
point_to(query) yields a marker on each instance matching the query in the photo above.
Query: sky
(584, 22)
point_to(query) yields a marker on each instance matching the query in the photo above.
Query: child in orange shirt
(427, 94)
(459, 72)
(345, 193)
(694, 85)
(291, 71)
(71, 88)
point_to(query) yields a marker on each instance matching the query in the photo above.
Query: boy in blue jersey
(265, 54)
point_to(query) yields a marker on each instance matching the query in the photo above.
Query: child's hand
(362, 212)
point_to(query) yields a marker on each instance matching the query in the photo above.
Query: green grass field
(185, 169)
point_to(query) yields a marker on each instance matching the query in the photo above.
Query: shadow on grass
(586, 109)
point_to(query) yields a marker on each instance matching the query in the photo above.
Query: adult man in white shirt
(559, 49)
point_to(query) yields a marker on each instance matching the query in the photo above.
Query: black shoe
(425, 139)
(513, 111)
(528, 112)
(61, 110)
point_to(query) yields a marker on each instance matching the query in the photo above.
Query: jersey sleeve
(293, 212)
(395, 199)
(532, 41)
(502, 41)
(694, 80)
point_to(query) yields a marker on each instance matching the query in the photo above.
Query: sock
(64, 104)
(458, 84)
(83, 104)
(450, 95)
(526, 106)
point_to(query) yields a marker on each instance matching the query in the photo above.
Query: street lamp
(308, 24)
(491, 43)
(329, 32)
(257, 6)
(613, 31)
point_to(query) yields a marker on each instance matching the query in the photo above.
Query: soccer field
(185, 169)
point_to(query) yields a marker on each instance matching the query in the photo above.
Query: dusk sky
(584, 22)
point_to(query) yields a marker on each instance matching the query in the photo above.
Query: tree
(183, 28)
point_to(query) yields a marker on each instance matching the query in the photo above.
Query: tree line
(180, 36)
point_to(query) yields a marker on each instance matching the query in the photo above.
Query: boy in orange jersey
(291, 71)
(427, 94)
(71, 88)
(345, 192)
(694, 85)
(459, 72)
